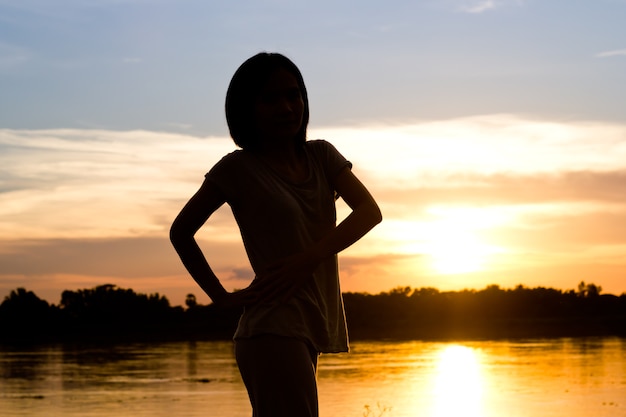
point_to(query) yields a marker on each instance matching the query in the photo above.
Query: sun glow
(458, 385)
(457, 252)
(454, 243)
(450, 238)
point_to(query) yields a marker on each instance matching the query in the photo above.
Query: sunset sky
(491, 132)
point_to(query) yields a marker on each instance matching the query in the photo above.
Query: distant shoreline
(108, 314)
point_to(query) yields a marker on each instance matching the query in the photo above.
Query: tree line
(109, 313)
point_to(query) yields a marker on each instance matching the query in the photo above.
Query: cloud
(588, 188)
(591, 234)
(94, 183)
(147, 264)
(104, 184)
(132, 257)
(609, 54)
(90, 206)
(479, 7)
(482, 6)
(402, 156)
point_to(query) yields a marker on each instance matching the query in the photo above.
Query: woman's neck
(289, 161)
(284, 152)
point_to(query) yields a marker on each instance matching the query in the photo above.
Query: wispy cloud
(608, 54)
(482, 6)
(479, 7)
(94, 183)
(98, 203)
(104, 184)
(431, 151)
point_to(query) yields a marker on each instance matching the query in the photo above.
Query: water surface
(538, 378)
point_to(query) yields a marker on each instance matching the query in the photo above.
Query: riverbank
(108, 313)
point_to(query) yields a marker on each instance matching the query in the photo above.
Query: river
(535, 378)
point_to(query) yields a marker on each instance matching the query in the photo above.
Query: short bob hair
(244, 89)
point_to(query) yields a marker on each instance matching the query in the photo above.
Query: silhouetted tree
(26, 303)
(107, 312)
(588, 290)
(25, 316)
(191, 301)
(491, 312)
(107, 309)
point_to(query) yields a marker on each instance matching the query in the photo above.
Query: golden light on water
(458, 385)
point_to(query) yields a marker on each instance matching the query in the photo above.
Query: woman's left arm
(364, 216)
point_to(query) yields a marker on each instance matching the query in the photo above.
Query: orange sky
(468, 202)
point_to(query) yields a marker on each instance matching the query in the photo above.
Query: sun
(453, 241)
(457, 252)
(447, 240)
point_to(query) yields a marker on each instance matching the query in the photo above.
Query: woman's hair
(244, 89)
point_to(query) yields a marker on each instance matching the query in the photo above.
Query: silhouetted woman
(282, 191)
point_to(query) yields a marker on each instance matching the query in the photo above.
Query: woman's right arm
(190, 219)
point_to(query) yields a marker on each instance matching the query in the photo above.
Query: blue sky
(491, 132)
(164, 64)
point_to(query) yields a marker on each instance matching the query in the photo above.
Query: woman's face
(279, 109)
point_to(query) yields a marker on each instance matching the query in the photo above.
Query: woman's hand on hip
(238, 298)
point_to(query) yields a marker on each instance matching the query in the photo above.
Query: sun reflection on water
(458, 385)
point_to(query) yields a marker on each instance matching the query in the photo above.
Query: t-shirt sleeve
(224, 174)
(333, 161)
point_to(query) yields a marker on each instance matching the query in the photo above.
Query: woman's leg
(280, 376)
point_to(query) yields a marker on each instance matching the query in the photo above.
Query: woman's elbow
(373, 214)
(178, 235)
(377, 215)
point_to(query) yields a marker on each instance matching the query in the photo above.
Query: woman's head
(248, 88)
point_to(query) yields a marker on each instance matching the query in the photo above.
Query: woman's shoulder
(232, 161)
(320, 146)
(327, 155)
(236, 157)
(317, 143)
(233, 156)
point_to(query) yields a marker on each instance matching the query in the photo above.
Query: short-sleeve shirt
(278, 218)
